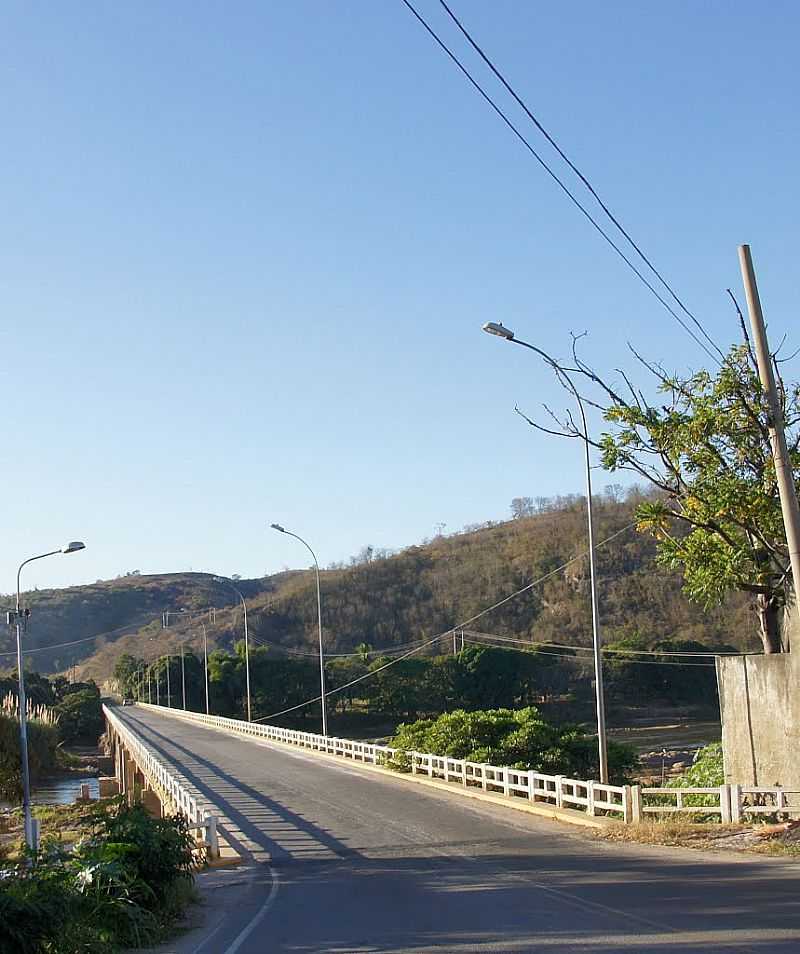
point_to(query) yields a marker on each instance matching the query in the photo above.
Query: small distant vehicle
(127, 702)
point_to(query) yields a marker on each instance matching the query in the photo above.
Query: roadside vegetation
(706, 771)
(59, 713)
(556, 680)
(123, 884)
(515, 738)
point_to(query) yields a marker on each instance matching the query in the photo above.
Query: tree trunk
(768, 618)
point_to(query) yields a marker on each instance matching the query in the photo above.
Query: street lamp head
(278, 527)
(497, 328)
(73, 547)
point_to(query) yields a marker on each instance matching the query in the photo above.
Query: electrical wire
(579, 174)
(606, 649)
(347, 685)
(638, 662)
(44, 649)
(561, 184)
(453, 629)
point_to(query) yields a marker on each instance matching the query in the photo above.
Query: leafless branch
(541, 427)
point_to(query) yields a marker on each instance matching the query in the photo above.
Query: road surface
(344, 860)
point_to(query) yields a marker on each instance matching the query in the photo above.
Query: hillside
(391, 600)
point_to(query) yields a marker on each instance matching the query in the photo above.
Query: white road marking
(248, 930)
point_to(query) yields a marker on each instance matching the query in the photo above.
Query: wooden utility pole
(780, 455)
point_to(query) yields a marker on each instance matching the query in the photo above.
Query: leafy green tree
(707, 450)
(704, 445)
(125, 673)
(80, 715)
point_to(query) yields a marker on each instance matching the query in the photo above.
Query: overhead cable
(603, 205)
(453, 629)
(561, 184)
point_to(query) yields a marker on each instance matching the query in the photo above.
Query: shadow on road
(505, 889)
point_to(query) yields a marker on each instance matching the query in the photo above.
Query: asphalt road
(343, 860)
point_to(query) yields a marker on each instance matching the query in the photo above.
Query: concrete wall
(760, 704)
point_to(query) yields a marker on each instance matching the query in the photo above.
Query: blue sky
(247, 250)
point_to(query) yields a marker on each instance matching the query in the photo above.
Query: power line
(606, 649)
(561, 184)
(449, 632)
(574, 658)
(44, 649)
(347, 685)
(578, 173)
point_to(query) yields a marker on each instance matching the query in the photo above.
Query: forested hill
(389, 600)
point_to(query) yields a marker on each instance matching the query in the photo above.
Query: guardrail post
(559, 792)
(413, 756)
(627, 804)
(212, 837)
(736, 804)
(506, 781)
(636, 804)
(725, 804)
(590, 798)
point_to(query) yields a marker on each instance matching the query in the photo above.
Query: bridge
(341, 855)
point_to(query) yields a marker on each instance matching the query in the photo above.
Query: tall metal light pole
(280, 529)
(227, 582)
(183, 678)
(169, 693)
(493, 328)
(205, 663)
(20, 620)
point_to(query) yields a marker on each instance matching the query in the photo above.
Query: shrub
(42, 754)
(706, 770)
(518, 738)
(121, 887)
(80, 715)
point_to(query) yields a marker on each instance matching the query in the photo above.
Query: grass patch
(706, 837)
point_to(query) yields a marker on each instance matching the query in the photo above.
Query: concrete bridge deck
(348, 861)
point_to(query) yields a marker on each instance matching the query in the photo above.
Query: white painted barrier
(590, 797)
(727, 803)
(171, 789)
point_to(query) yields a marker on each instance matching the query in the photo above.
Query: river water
(61, 791)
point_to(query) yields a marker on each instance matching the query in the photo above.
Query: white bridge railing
(562, 792)
(631, 803)
(171, 789)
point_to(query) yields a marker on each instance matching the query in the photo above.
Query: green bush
(518, 738)
(42, 754)
(80, 715)
(121, 887)
(706, 770)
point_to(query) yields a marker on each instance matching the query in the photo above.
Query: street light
(498, 329)
(280, 529)
(205, 663)
(227, 582)
(20, 621)
(183, 677)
